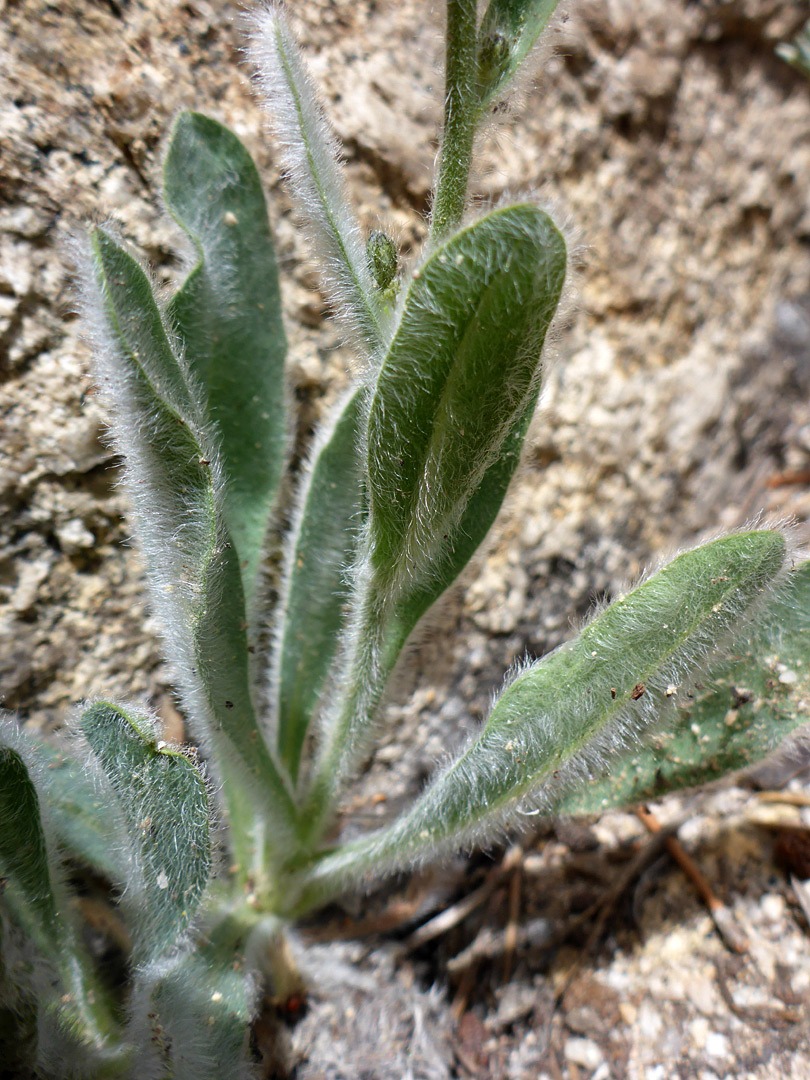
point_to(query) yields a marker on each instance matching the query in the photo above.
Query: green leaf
(228, 314)
(165, 804)
(50, 966)
(459, 378)
(324, 542)
(310, 156)
(172, 468)
(197, 1010)
(448, 413)
(23, 855)
(561, 715)
(82, 823)
(465, 537)
(509, 30)
(160, 422)
(744, 708)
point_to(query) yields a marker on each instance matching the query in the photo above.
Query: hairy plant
(209, 863)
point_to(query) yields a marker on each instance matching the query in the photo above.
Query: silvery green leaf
(462, 370)
(165, 804)
(323, 544)
(562, 716)
(452, 397)
(315, 179)
(228, 315)
(745, 706)
(175, 480)
(466, 536)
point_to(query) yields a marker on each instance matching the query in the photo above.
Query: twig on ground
(512, 927)
(789, 798)
(789, 476)
(456, 913)
(722, 916)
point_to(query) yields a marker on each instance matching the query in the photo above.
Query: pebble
(699, 1031)
(388, 754)
(32, 576)
(515, 1001)
(702, 994)
(628, 1012)
(649, 1021)
(583, 1052)
(772, 907)
(74, 536)
(716, 1044)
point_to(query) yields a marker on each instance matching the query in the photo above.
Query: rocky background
(676, 146)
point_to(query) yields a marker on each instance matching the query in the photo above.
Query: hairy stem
(460, 117)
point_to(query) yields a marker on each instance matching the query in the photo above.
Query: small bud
(383, 259)
(493, 58)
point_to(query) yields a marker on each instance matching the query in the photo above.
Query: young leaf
(563, 713)
(228, 314)
(75, 1014)
(324, 540)
(165, 804)
(23, 856)
(310, 157)
(461, 373)
(192, 1013)
(175, 482)
(383, 260)
(85, 827)
(746, 706)
(509, 29)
